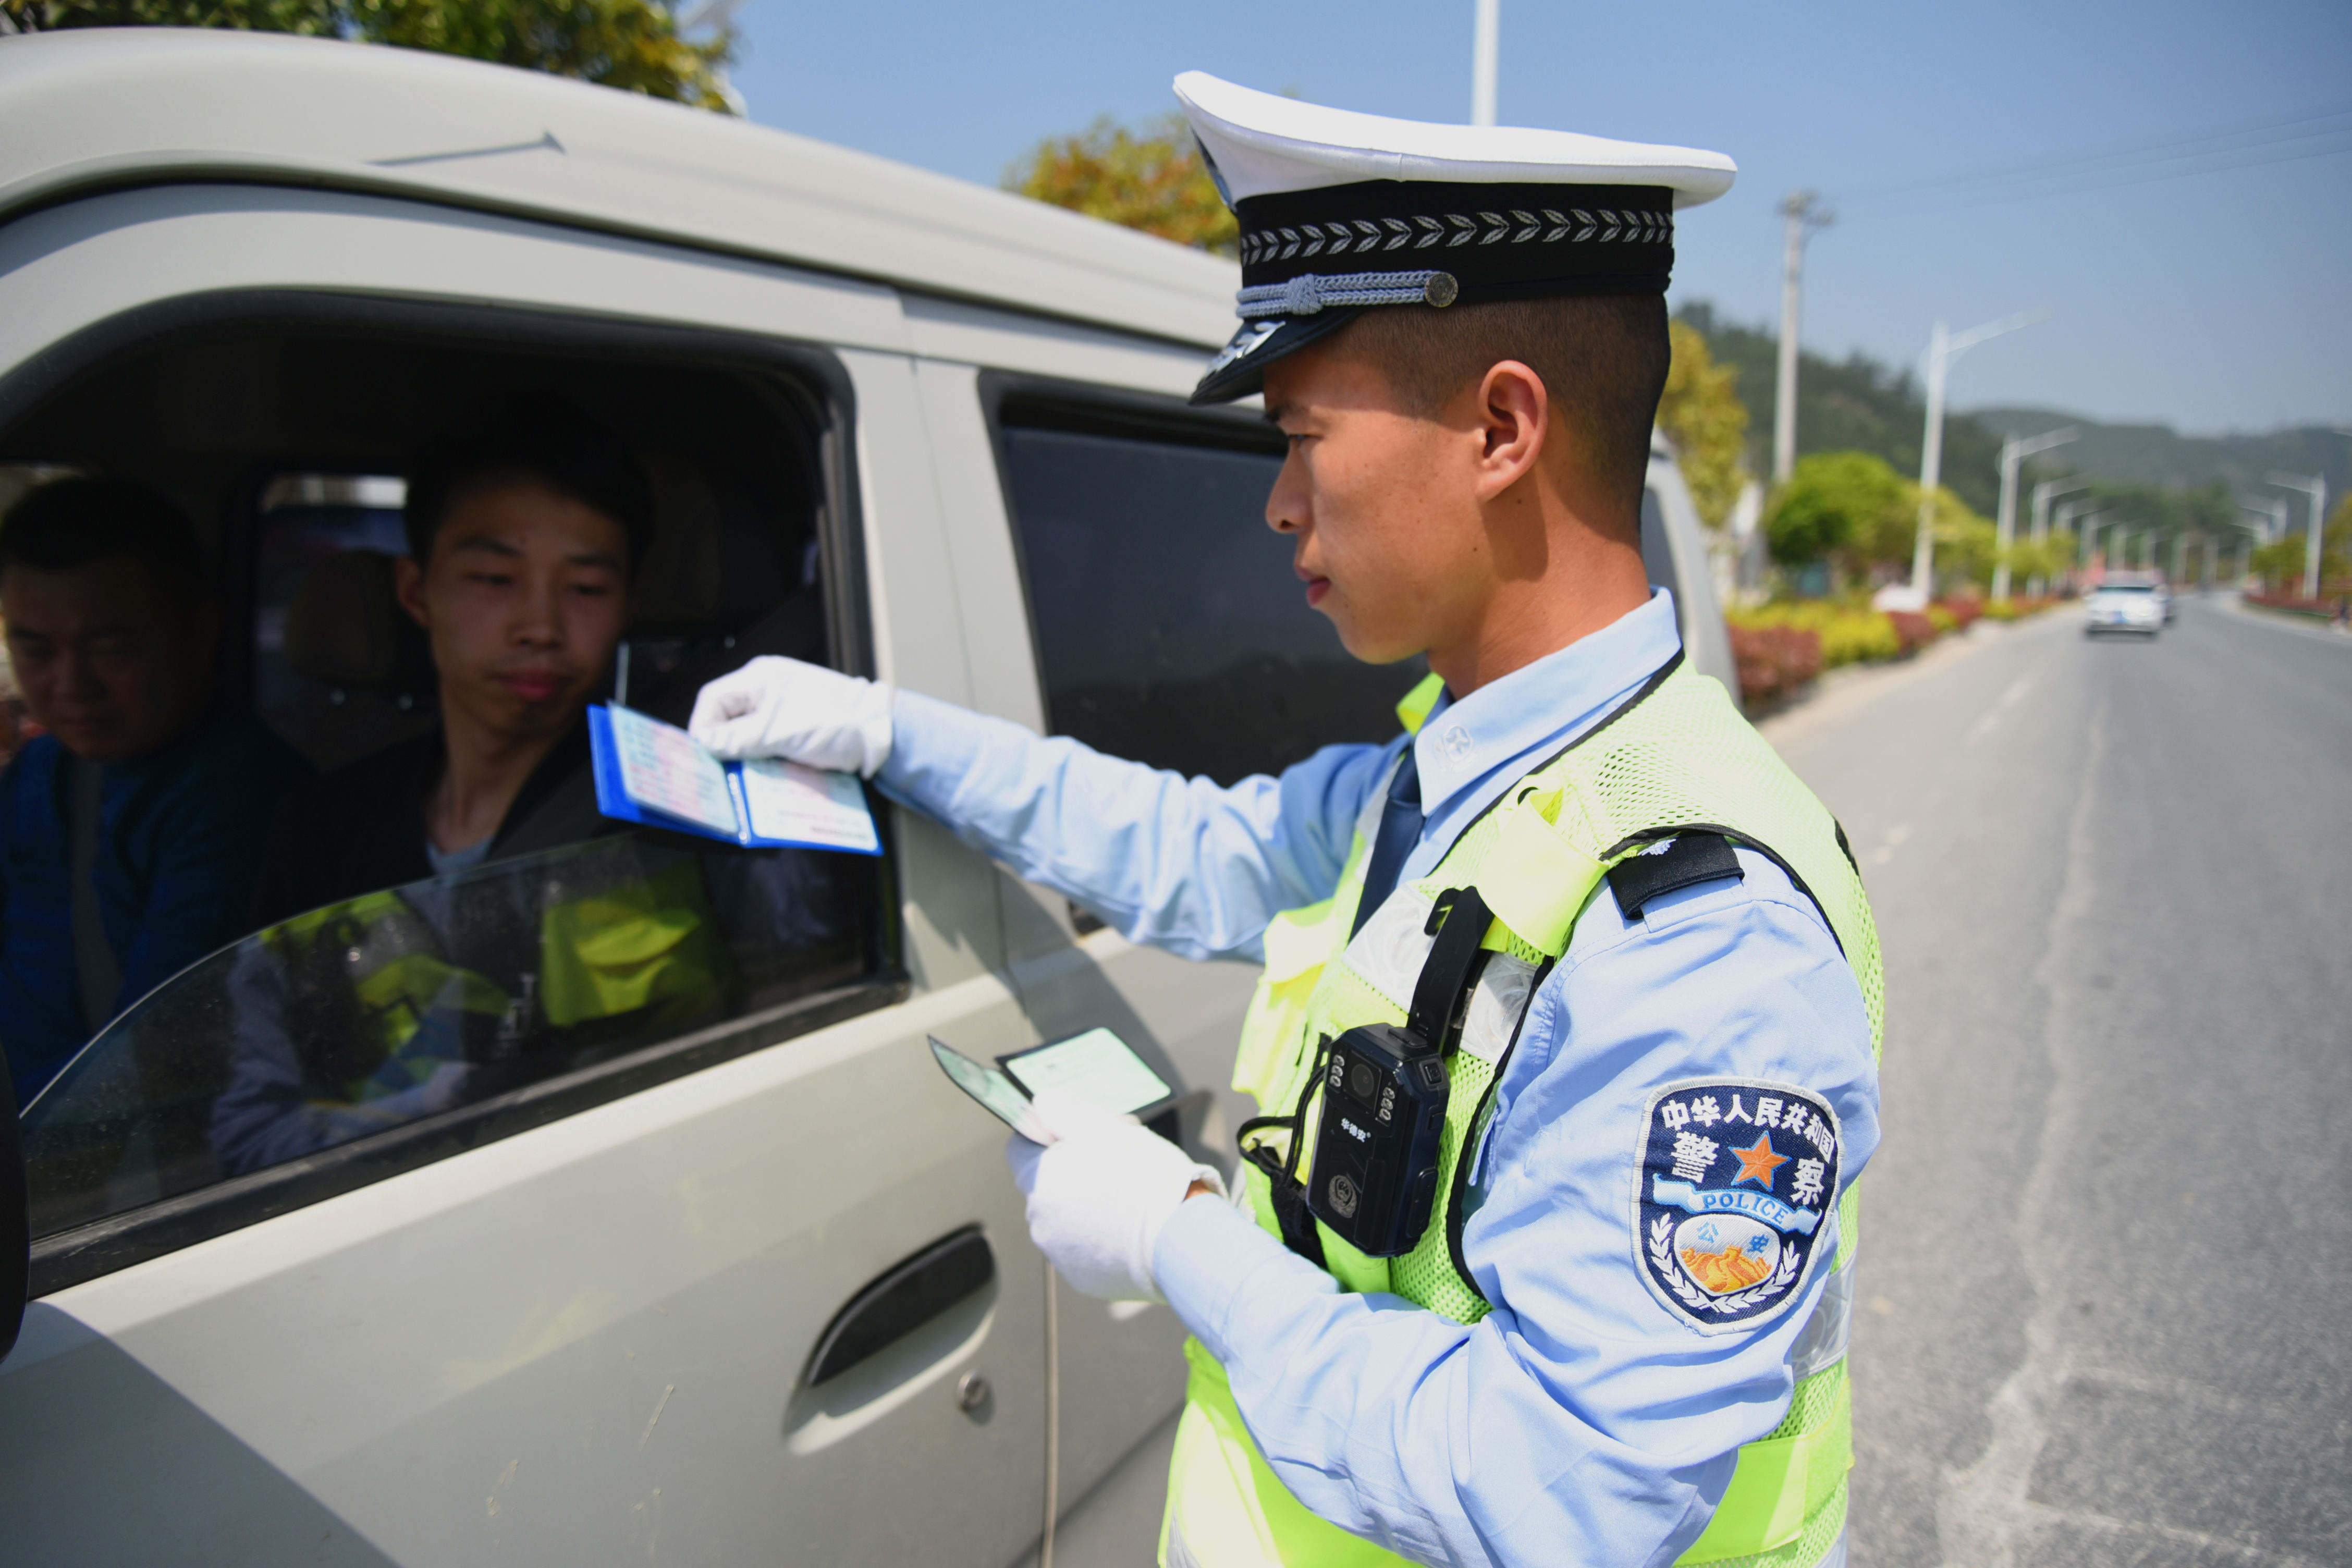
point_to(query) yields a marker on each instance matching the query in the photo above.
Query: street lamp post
(2086, 537)
(2315, 487)
(2013, 453)
(1486, 49)
(2042, 493)
(1944, 346)
(1802, 216)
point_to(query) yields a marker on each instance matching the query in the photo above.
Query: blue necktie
(1399, 830)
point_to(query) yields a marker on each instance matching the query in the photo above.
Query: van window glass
(425, 1000)
(357, 1013)
(1170, 626)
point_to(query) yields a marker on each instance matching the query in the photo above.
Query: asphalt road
(2107, 1290)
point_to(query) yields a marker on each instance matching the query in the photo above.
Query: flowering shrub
(2294, 604)
(1848, 636)
(1774, 661)
(1962, 613)
(1914, 631)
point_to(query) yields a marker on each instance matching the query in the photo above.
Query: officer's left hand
(1099, 1194)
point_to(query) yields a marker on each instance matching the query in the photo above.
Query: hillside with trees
(2160, 458)
(1854, 404)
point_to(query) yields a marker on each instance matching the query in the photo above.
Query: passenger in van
(129, 831)
(424, 920)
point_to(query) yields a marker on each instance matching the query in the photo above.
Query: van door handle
(900, 1300)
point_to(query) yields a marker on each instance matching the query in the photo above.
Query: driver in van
(129, 831)
(387, 978)
(525, 527)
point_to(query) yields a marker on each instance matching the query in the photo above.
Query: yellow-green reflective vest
(1677, 757)
(642, 939)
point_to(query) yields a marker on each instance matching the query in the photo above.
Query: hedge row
(1781, 647)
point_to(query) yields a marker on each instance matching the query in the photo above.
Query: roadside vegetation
(637, 45)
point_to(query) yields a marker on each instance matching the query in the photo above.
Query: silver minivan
(742, 1277)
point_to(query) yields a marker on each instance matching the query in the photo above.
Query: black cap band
(1311, 260)
(1485, 236)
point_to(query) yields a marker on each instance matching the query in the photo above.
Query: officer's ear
(1513, 413)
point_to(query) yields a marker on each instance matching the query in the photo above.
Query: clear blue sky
(2217, 301)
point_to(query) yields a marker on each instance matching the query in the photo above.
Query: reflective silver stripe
(1836, 1556)
(1822, 1345)
(1496, 1005)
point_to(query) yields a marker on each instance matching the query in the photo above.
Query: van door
(1163, 624)
(717, 1266)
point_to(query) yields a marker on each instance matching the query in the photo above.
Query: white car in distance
(2126, 605)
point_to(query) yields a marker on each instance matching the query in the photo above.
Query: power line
(2137, 164)
(2269, 123)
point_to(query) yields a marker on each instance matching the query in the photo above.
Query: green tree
(1702, 414)
(1966, 545)
(2279, 564)
(632, 45)
(1836, 505)
(1152, 179)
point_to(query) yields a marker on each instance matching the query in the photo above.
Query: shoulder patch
(1736, 1183)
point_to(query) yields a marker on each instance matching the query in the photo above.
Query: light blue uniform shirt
(1580, 1421)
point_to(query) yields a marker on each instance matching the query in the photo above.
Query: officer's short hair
(68, 524)
(540, 438)
(1603, 359)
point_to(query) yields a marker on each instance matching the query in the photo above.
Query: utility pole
(2013, 453)
(2315, 487)
(2087, 537)
(1803, 216)
(1943, 348)
(1486, 53)
(2041, 494)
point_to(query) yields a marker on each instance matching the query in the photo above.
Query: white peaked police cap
(1342, 212)
(1263, 144)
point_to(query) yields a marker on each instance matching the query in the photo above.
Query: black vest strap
(1445, 973)
(1690, 859)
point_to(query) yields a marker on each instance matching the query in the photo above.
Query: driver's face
(524, 599)
(108, 662)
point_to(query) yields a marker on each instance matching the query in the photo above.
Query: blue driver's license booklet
(656, 773)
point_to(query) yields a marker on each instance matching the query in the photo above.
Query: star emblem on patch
(1739, 1183)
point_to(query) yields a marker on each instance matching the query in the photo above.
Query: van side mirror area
(15, 1224)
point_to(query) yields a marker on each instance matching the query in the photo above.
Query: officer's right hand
(804, 713)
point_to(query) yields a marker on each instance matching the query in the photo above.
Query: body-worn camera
(1376, 1149)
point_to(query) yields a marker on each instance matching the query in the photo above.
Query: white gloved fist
(1099, 1194)
(802, 712)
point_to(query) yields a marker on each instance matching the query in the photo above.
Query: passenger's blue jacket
(181, 835)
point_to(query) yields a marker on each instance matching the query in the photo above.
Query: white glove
(802, 712)
(1098, 1194)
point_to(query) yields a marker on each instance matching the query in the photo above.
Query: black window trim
(810, 374)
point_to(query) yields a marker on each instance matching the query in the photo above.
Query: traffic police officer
(1619, 1337)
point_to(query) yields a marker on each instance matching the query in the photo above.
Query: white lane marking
(1889, 843)
(1986, 1516)
(2008, 699)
